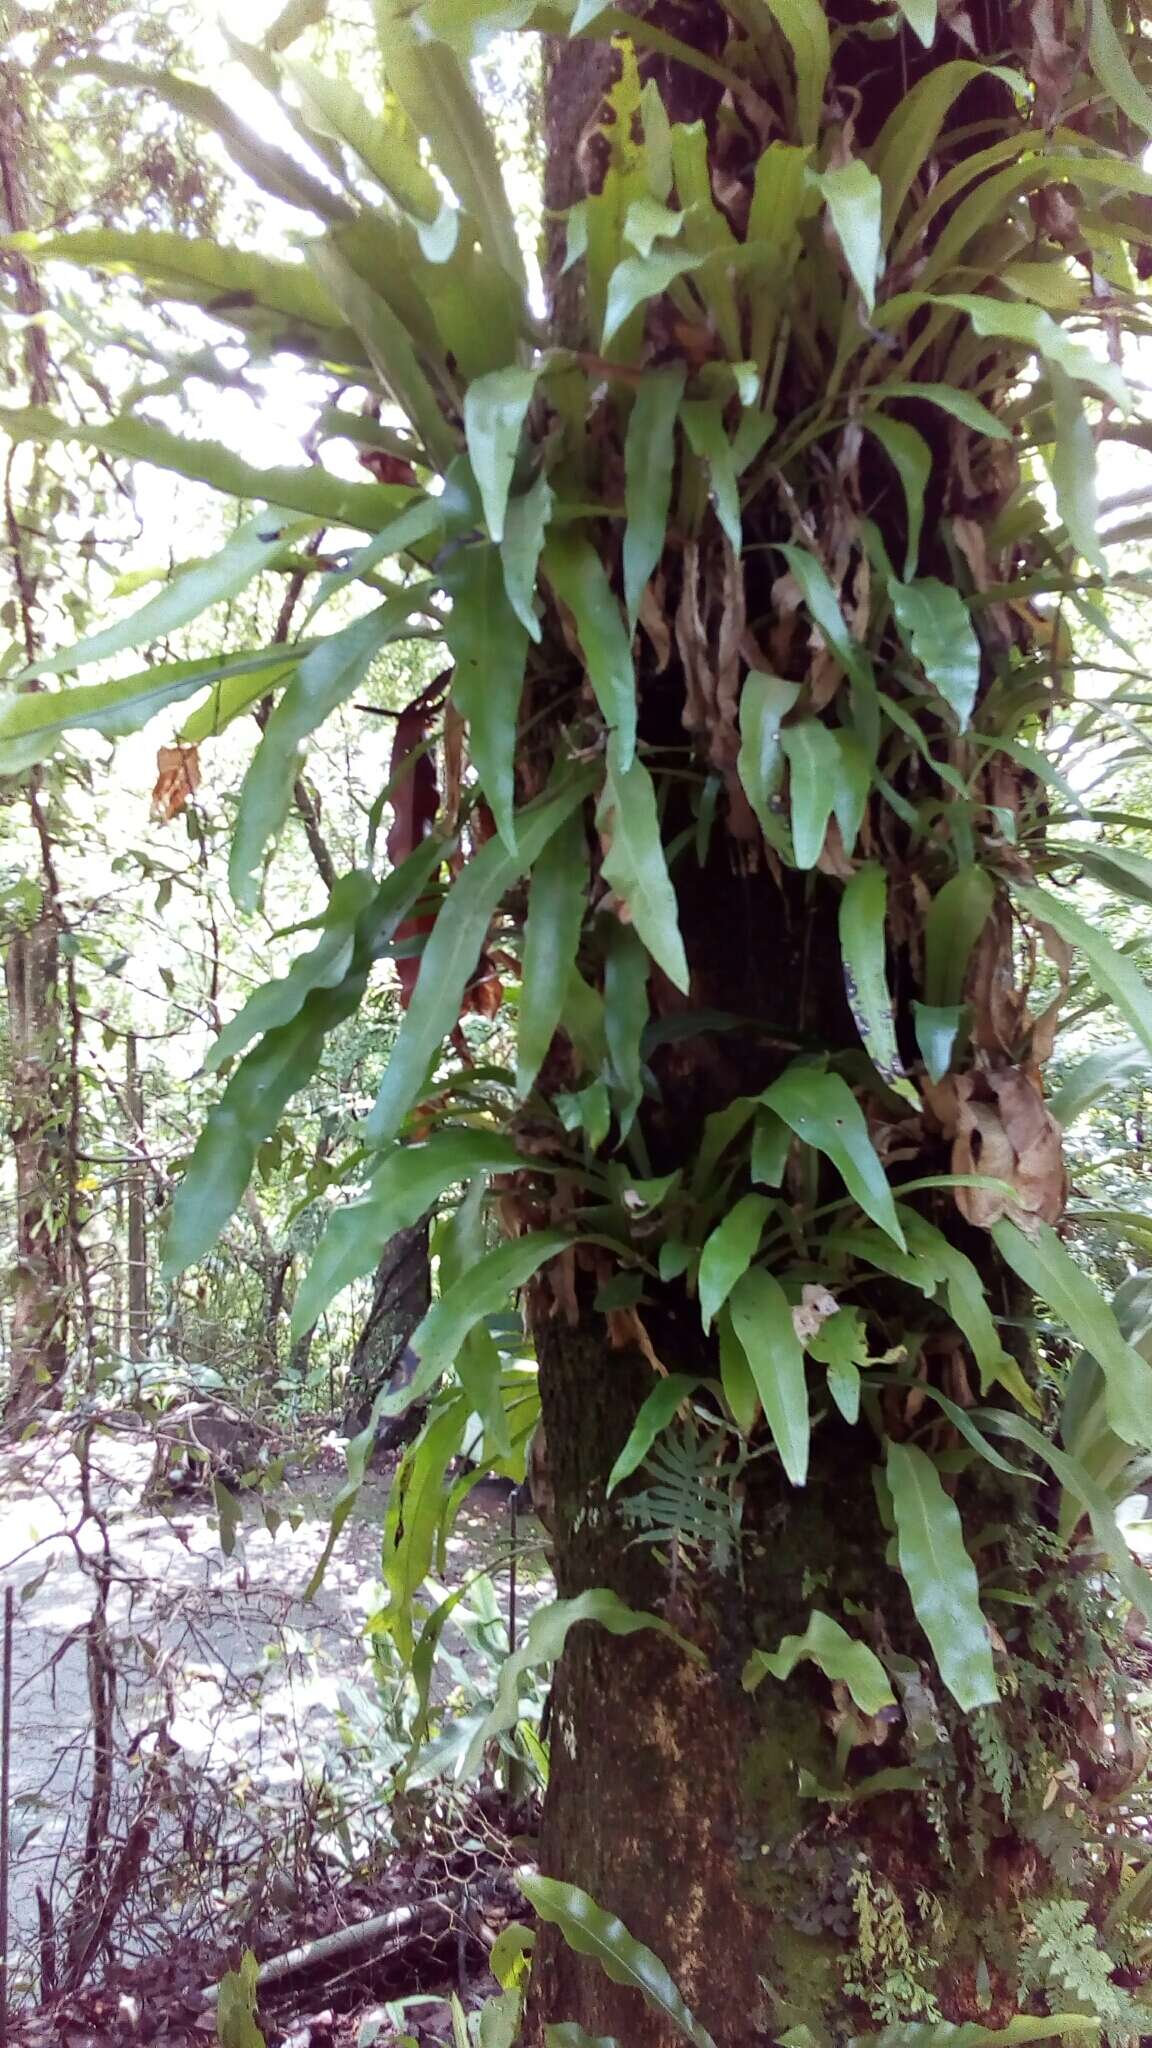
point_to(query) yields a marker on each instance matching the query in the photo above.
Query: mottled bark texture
(718, 1824)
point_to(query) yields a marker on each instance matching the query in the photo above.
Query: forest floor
(238, 1718)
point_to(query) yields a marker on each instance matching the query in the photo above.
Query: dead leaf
(815, 1306)
(177, 779)
(1005, 1130)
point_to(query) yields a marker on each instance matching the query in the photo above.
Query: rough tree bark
(675, 1798)
(39, 1349)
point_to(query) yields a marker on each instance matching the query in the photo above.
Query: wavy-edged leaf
(635, 868)
(840, 1345)
(495, 409)
(761, 1320)
(1034, 328)
(841, 1657)
(936, 627)
(940, 1576)
(822, 1110)
(556, 905)
(945, 2034)
(804, 25)
(911, 458)
(824, 606)
(1097, 1076)
(1111, 971)
(854, 198)
(1072, 468)
(960, 404)
(407, 1183)
(649, 456)
(591, 1931)
(968, 1307)
(254, 546)
(323, 680)
(277, 1002)
(765, 702)
(814, 763)
(863, 952)
(639, 279)
(385, 147)
(580, 581)
(525, 525)
(33, 722)
(308, 488)
(1051, 1272)
(489, 645)
(656, 1413)
(956, 917)
(453, 948)
(544, 1641)
(729, 1251)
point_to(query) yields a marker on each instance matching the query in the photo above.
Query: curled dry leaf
(1005, 1130)
(626, 1330)
(815, 1306)
(177, 779)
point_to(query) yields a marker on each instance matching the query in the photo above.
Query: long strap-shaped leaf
(587, 1928)
(454, 948)
(940, 1576)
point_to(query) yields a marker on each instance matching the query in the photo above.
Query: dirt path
(221, 1658)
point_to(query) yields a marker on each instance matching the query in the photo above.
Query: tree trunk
(401, 1292)
(750, 1839)
(38, 1120)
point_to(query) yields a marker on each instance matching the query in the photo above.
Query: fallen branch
(386, 1930)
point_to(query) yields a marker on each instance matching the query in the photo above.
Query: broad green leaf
(635, 868)
(236, 2006)
(307, 489)
(525, 525)
(944, 2034)
(591, 1931)
(1050, 1271)
(231, 698)
(556, 905)
(324, 680)
(1031, 326)
(1110, 62)
(649, 455)
(761, 1320)
(432, 86)
(232, 284)
(277, 1002)
(921, 18)
(589, 1110)
(968, 1307)
(1121, 869)
(648, 220)
(823, 1112)
(863, 952)
(419, 521)
(453, 948)
(824, 605)
(408, 1182)
(736, 1376)
(495, 408)
(1111, 971)
(804, 25)
(580, 581)
(911, 458)
(657, 1412)
(729, 1251)
(626, 968)
(1097, 1076)
(957, 916)
(388, 346)
(569, 2034)
(703, 420)
(771, 1139)
(854, 197)
(489, 645)
(544, 1641)
(1072, 467)
(416, 1508)
(639, 279)
(815, 770)
(840, 1345)
(254, 546)
(937, 1029)
(960, 404)
(32, 722)
(841, 1657)
(383, 144)
(483, 1290)
(940, 1576)
(765, 702)
(936, 627)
